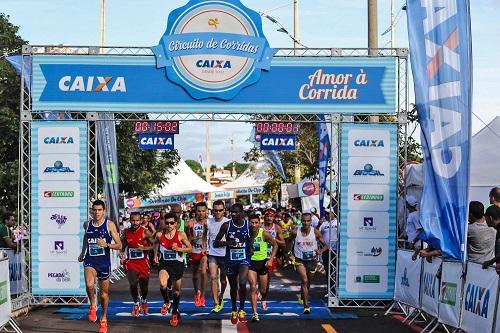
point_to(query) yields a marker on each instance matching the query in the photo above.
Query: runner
(197, 235)
(146, 223)
(238, 252)
(216, 256)
(172, 243)
(276, 233)
(286, 227)
(260, 262)
(306, 253)
(136, 242)
(96, 260)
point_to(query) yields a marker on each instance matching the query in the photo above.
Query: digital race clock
(160, 126)
(276, 127)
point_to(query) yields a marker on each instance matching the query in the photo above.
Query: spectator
(314, 217)
(329, 230)
(413, 226)
(492, 217)
(495, 196)
(126, 214)
(480, 237)
(7, 222)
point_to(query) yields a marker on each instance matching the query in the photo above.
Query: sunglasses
(254, 222)
(171, 223)
(218, 210)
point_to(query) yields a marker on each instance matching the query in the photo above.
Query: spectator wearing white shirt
(413, 226)
(329, 232)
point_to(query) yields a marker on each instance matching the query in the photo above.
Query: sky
(322, 23)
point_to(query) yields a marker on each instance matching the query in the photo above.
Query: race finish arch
(213, 63)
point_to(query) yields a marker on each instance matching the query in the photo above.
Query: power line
(282, 28)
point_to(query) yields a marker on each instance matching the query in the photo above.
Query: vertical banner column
(368, 181)
(59, 206)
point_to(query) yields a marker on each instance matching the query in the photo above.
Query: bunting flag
(441, 59)
(323, 158)
(106, 143)
(271, 156)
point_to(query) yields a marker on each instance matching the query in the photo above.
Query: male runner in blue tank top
(96, 259)
(238, 245)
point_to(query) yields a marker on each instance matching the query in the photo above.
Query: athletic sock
(176, 303)
(164, 293)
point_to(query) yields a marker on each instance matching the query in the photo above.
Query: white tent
(485, 161)
(183, 180)
(255, 176)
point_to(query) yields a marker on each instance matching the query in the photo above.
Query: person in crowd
(314, 217)
(413, 226)
(495, 196)
(286, 228)
(306, 252)
(216, 256)
(6, 241)
(95, 255)
(137, 241)
(239, 250)
(275, 231)
(329, 231)
(480, 237)
(146, 222)
(197, 235)
(171, 244)
(492, 217)
(260, 262)
(126, 214)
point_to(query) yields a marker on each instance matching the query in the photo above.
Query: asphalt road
(284, 288)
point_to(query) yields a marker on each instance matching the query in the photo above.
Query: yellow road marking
(328, 328)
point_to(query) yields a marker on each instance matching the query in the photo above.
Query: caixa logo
(213, 64)
(477, 300)
(92, 83)
(58, 140)
(368, 143)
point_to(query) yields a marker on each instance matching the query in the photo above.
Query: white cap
(411, 200)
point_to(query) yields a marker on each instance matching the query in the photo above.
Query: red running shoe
(103, 327)
(144, 308)
(135, 311)
(92, 316)
(197, 299)
(242, 316)
(201, 301)
(165, 308)
(174, 321)
(234, 317)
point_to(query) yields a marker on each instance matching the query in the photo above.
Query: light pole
(103, 23)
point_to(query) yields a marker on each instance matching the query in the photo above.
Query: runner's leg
(203, 273)
(163, 276)
(103, 290)
(144, 284)
(133, 281)
(233, 289)
(176, 295)
(213, 268)
(301, 269)
(90, 274)
(242, 280)
(252, 280)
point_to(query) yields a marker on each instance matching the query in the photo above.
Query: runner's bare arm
(218, 240)
(148, 236)
(84, 248)
(321, 241)
(185, 241)
(268, 238)
(116, 237)
(279, 238)
(156, 246)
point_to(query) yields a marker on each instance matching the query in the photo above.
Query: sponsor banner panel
(407, 287)
(249, 190)
(222, 195)
(368, 188)
(277, 141)
(480, 294)
(450, 294)
(5, 305)
(429, 287)
(16, 272)
(156, 141)
(308, 188)
(167, 200)
(59, 205)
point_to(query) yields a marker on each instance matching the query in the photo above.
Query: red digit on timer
(174, 127)
(266, 128)
(144, 126)
(289, 127)
(258, 127)
(137, 126)
(274, 127)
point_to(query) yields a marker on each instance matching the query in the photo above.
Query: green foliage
(140, 170)
(10, 42)
(196, 167)
(239, 167)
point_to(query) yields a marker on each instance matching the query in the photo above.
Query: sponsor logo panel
(59, 221)
(59, 276)
(58, 248)
(58, 140)
(59, 194)
(367, 251)
(59, 167)
(367, 224)
(368, 170)
(366, 279)
(369, 142)
(368, 197)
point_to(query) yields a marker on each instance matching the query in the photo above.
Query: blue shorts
(103, 272)
(233, 267)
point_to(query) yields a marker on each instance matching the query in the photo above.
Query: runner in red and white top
(136, 242)
(197, 235)
(171, 244)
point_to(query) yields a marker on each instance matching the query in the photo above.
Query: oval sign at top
(213, 48)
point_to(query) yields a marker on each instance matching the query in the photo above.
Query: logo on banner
(277, 142)
(477, 300)
(404, 279)
(58, 167)
(430, 284)
(368, 197)
(213, 48)
(58, 194)
(62, 276)
(367, 171)
(93, 84)
(374, 252)
(58, 140)
(59, 219)
(368, 221)
(59, 245)
(4, 292)
(308, 188)
(368, 143)
(156, 141)
(367, 278)
(448, 294)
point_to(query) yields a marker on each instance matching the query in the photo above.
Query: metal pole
(295, 26)
(103, 23)
(392, 24)
(372, 37)
(207, 151)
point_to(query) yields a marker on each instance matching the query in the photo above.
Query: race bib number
(237, 254)
(135, 253)
(308, 255)
(198, 245)
(285, 234)
(95, 250)
(256, 247)
(169, 255)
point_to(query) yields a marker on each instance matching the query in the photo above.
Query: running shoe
(174, 321)
(255, 317)
(242, 316)
(197, 299)
(263, 304)
(201, 302)
(307, 310)
(135, 311)
(215, 308)
(144, 308)
(92, 316)
(165, 308)
(221, 303)
(300, 300)
(234, 317)
(103, 327)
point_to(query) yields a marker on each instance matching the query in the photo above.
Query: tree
(196, 167)
(10, 42)
(238, 167)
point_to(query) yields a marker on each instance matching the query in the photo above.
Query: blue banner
(441, 59)
(164, 201)
(156, 141)
(323, 158)
(278, 141)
